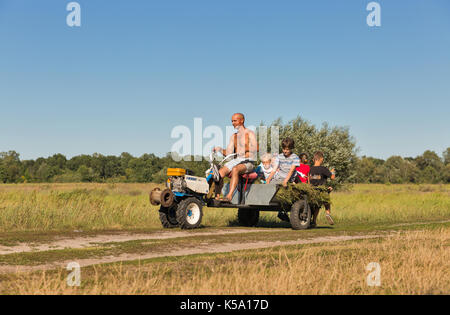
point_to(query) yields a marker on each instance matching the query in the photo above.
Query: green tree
(3, 177)
(160, 177)
(369, 170)
(112, 167)
(431, 167)
(429, 158)
(86, 173)
(74, 163)
(57, 161)
(399, 170)
(447, 174)
(45, 172)
(28, 167)
(430, 175)
(68, 176)
(446, 156)
(11, 168)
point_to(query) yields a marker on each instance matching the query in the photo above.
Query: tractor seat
(247, 176)
(250, 176)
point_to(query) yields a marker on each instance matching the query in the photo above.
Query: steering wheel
(213, 153)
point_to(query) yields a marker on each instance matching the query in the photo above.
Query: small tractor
(181, 203)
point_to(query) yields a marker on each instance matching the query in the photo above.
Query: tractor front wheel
(190, 213)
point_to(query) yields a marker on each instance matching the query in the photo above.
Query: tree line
(90, 168)
(426, 168)
(337, 144)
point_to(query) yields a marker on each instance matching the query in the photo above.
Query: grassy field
(410, 223)
(97, 207)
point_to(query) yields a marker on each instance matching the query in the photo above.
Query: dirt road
(203, 248)
(83, 242)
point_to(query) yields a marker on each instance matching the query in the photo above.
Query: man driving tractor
(244, 144)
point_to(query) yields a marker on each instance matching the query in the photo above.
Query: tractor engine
(179, 185)
(176, 181)
(182, 181)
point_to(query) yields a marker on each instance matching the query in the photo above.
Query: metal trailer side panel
(255, 194)
(260, 194)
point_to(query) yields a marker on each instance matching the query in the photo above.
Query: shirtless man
(244, 144)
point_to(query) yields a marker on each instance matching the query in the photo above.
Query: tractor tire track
(83, 242)
(200, 249)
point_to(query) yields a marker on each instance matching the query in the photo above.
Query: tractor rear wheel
(248, 217)
(168, 217)
(300, 215)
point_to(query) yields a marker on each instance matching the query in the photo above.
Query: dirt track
(203, 248)
(83, 242)
(199, 249)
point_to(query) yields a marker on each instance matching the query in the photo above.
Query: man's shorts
(235, 162)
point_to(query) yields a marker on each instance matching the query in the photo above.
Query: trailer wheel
(190, 213)
(248, 217)
(168, 217)
(300, 215)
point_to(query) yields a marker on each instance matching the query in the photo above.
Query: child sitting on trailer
(267, 166)
(303, 169)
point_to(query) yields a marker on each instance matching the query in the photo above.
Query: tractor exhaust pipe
(155, 197)
(164, 198)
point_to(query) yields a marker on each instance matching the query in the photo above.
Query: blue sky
(136, 69)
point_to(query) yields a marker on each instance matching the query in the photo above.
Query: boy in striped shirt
(287, 162)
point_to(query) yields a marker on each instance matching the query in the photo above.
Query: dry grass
(414, 262)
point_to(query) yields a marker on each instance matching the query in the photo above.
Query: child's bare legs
(328, 214)
(314, 215)
(328, 209)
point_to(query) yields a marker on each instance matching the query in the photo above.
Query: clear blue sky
(135, 69)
